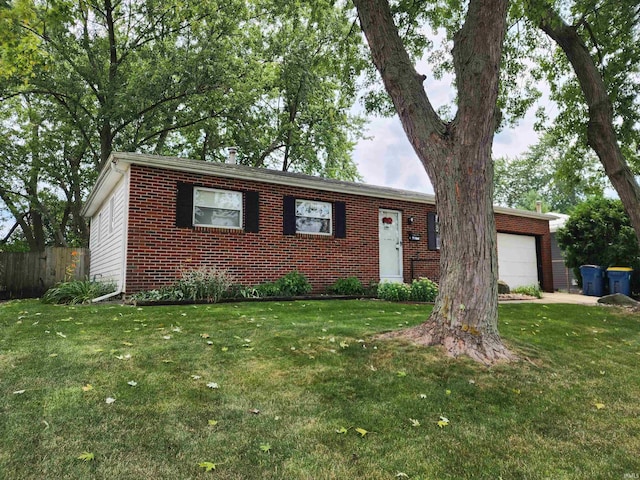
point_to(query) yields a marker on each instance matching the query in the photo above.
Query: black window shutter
(251, 212)
(289, 216)
(432, 231)
(184, 205)
(340, 222)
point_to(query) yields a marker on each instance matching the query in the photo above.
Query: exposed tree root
(486, 349)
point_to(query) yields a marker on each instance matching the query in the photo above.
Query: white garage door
(517, 260)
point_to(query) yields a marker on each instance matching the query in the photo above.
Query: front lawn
(300, 390)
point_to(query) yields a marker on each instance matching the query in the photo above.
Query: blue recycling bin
(592, 280)
(620, 280)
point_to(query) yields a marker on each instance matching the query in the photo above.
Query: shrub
(424, 290)
(203, 283)
(394, 292)
(267, 289)
(293, 284)
(531, 290)
(77, 292)
(599, 232)
(347, 286)
(241, 291)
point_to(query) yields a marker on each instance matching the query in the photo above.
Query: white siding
(517, 260)
(108, 236)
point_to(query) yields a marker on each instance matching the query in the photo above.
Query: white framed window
(314, 217)
(217, 208)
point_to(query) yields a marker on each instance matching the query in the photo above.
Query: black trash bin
(620, 280)
(592, 280)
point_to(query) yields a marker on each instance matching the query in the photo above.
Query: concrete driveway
(559, 297)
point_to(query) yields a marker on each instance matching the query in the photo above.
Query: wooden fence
(30, 274)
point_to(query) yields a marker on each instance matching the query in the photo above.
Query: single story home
(153, 217)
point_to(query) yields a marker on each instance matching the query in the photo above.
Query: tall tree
(546, 173)
(600, 41)
(175, 77)
(457, 158)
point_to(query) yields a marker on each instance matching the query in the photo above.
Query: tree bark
(600, 132)
(457, 158)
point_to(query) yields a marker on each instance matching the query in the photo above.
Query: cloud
(388, 159)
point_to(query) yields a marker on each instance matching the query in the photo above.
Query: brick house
(153, 216)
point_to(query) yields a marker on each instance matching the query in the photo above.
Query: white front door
(390, 227)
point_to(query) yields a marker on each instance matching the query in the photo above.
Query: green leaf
(208, 466)
(265, 447)
(212, 423)
(86, 456)
(342, 430)
(362, 432)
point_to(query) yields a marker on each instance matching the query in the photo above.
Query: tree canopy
(275, 79)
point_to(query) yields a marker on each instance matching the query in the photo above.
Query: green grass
(311, 368)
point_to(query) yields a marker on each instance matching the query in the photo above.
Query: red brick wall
(158, 250)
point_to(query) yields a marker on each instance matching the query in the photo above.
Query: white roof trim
(119, 163)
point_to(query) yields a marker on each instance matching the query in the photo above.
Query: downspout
(107, 296)
(120, 288)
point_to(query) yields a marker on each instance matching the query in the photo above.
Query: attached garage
(517, 260)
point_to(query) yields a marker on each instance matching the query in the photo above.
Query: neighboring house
(563, 278)
(152, 217)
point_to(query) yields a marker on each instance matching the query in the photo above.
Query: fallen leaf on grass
(205, 335)
(132, 383)
(19, 392)
(362, 432)
(127, 344)
(265, 447)
(213, 385)
(86, 457)
(401, 475)
(212, 423)
(87, 387)
(342, 430)
(401, 373)
(196, 377)
(443, 422)
(255, 411)
(598, 405)
(110, 400)
(414, 422)
(208, 466)
(60, 334)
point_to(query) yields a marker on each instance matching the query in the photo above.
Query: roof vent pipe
(539, 206)
(231, 158)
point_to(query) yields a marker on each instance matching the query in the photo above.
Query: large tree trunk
(457, 158)
(600, 132)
